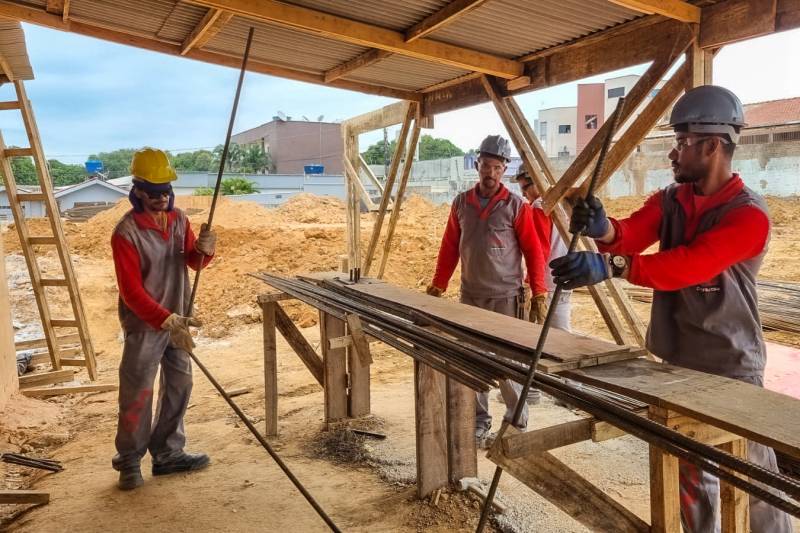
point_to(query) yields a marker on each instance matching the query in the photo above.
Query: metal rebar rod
(487, 505)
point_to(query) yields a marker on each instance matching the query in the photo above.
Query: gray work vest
(163, 265)
(491, 259)
(712, 327)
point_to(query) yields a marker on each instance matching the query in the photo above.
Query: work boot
(186, 462)
(130, 478)
(480, 437)
(534, 396)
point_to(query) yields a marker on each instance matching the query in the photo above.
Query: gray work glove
(206, 242)
(179, 335)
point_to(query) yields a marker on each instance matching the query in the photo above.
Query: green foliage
(250, 159)
(429, 148)
(197, 161)
(237, 186)
(24, 171)
(435, 148)
(64, 174)
(203, 191)
(116, 163)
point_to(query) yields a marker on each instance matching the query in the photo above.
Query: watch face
(619, 261)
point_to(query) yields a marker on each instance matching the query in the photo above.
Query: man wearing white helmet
(713, 234)
(152, 246)
(490, 231)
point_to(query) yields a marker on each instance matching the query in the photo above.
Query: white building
(557, 128)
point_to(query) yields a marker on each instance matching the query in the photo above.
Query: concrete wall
(8, 360)
(294, 144)
(591, 101)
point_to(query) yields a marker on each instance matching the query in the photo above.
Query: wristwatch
(618, 264)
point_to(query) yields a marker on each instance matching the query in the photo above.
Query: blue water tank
(314, 169)
(93, 166)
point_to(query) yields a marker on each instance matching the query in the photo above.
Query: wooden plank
(371, 175)
(462, 453)
(358, 339)
(53, 282)
(274, 297)
(548, 438)
(24, 496)
(299, 344)
(448, 14)
(665, 508)
(73, 361)
(674, 9)
(42, 343)
(347, 341)
(46, 378)
(56, 391)
(735, 503)
(362, 34)
(699, 431)
(508, 329)
(568, 491)
(64, 323)
(40, 17)
(722, 402)
(334, 369)
(18, 152)
(354, 178)
(736, 20)
(411, 110)
(270, 368)
(42, 241)
(431, 429)
(401, 192)
(9, 105)
(209, 26)
(370, 57)
(384, 117)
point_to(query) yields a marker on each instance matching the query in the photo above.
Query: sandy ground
(364, 485)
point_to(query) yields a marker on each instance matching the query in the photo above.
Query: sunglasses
(156, 195)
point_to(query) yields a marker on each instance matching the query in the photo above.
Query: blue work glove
(589, 218)
(580, 269)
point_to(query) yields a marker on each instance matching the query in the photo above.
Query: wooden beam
(568, 491)
(380, 118)
(633, 99)
(359, 360)
(462, 453)
(46, 378)
(270, 368)
(43, 392)
(370, 57)
(389, 187)
(334, 367)
(24, 496)
(299, 344)
(674, 9)
(734, 502)
(738, 20)
(665, 508)
(449, 13)
(431, 428)
(58, 7)
(210, 25)
(362, 34)
(42, 18)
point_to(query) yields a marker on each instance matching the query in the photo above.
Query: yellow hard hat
(152, 165)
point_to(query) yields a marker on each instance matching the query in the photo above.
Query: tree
(116, 163)
(237, 186)
(197, 161)
(24, 171)
(64, 174)
(435, 148)
(376, 153)
(255, 160)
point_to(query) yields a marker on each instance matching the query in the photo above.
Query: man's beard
(683, 177)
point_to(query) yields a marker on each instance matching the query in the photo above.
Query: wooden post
(665, 504)
(270, 369)
(334, 368)
(401, 191)
(462, 454)
(359, 359)
(387, 189)
(735, 503)
(431, 428)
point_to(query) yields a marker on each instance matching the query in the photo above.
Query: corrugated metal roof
(13, 50)
(397, 16)
(403, 72)
(143, 17)
(513, 28)
(280, 45)
(181, 21)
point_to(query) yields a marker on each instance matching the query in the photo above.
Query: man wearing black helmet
(490, 231)
(713, 234)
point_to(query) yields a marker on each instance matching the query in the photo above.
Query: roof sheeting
(13, 52)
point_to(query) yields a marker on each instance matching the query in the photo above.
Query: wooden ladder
(56, 239)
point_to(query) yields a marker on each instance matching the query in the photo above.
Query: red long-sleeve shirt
(527, 236)
(129, 273)
(741, 234)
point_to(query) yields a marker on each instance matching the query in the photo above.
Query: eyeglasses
(679, 144)
(156, 195)
(525, 187)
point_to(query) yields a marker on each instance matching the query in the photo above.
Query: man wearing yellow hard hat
(153, 244)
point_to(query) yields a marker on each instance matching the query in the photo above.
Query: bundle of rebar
(32, 462)
(479, 361)
(778, 303)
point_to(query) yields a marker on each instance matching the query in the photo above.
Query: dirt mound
(308, 208)
(783, 210)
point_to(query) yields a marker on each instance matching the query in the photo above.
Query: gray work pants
(511, 306)
(562, 319)
(700, 493)
(164, 438)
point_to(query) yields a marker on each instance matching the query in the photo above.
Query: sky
(92, 96)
